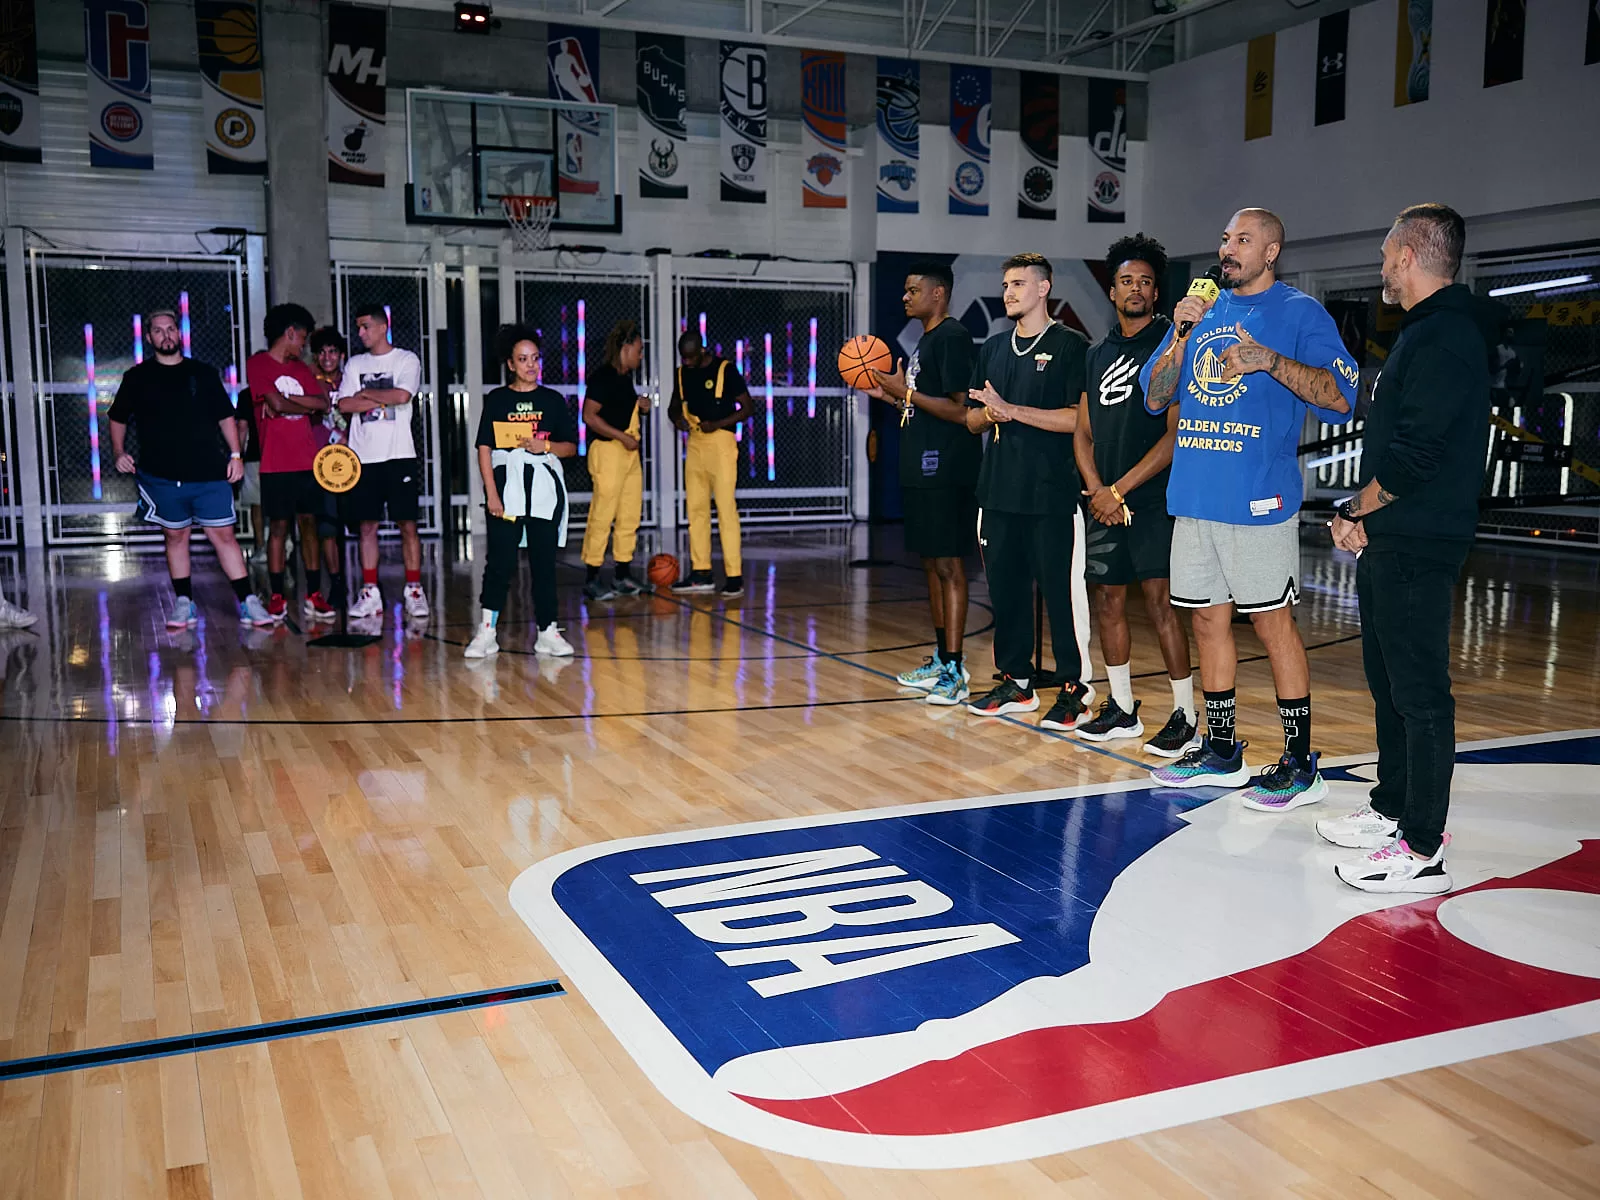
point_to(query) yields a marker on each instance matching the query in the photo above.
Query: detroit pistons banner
(358, 74)
(1108, 151)
(969, 137)
(1041, 146)
(116, 41)
(744, 123)
(822, 131)
(228, 34)
(899, 134)
(19, 83)
(662, 84)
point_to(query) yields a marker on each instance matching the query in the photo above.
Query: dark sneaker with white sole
(1177, 737)
(1204, 767)
(1070, 712)
(732, 586)
(1112, 723)
(1289, 784)
(627, 585)
(695, 581)
(1005, 697)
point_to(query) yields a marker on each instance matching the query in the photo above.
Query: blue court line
(245, 1035)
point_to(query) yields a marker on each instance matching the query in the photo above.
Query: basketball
(861, 355)
(662, 571)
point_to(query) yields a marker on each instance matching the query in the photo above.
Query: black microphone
(1207, 289)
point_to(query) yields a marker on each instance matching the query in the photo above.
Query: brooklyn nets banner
(116, 37)
(1413, 52)
(969, 140)
(899, 134)
(358, 74)
(822, 130)
(662, 84)
(1041, 146)
(1108, 151)
(744, 123)
(228, 33)
(19, 83)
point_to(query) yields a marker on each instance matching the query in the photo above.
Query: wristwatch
(1347, 510)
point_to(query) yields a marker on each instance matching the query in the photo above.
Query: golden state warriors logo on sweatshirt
(1208, 382)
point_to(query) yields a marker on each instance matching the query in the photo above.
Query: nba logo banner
(899, 134)
(19, 84)
(228, 33)
(358, 76)
(969, 137)
(581, 155)
(977, 981)
(822, 132)
(116, 39)
(744, 123)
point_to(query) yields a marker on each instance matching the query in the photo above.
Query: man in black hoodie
(1412, 524)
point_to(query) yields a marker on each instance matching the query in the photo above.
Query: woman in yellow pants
(611, 410)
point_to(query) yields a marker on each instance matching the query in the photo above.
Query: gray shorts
(1255, 568)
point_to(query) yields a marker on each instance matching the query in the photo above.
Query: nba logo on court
(975, 981)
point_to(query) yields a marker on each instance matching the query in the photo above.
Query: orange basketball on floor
(662, 571)
(862, 355)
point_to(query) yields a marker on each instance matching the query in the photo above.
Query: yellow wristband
(1116, 495)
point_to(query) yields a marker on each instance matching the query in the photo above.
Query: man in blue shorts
(188, 462)
(1244, 369)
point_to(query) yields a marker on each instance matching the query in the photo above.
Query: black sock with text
(1296, 718)
(1219, 721)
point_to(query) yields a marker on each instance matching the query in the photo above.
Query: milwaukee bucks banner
(969, 137)
(1108, 151)
(662, 86)
(19, 83)
(744, 123)
(358, 74)
(1041, 146)
(899, 134)
(822, 130)
(228, 33)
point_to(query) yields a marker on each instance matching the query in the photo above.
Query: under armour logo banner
(1333, 36)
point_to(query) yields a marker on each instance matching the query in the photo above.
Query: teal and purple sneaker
(1204, 767)
(1287, 785)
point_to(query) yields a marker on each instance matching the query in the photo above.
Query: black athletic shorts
(1123, 554)
(940, 522)
(393, 485)
(286, 495)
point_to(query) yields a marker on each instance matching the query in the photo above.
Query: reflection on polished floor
(220, 828)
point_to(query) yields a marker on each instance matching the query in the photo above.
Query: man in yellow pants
(709, 400)
(611, 411)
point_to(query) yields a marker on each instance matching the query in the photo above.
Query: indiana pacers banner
(19, 83)
(228, 33)
(358, 74)
(822, 130)
(1413, 52)
(969, 137)
(1258, 86)
(1108, 151)
(1333, 41)
(116, 40)
(899, 134)
(1502, 42)
(1041, 146)
(744, 123)
(662, 85)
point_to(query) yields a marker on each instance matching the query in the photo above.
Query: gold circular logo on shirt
(336, 467)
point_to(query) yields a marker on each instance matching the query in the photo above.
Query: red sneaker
(277, 607)
(317, 608)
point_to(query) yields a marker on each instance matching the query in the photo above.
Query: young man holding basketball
(709, 400)
(939, 460)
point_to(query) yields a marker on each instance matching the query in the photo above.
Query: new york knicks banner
(899, 134)
(228, 33)
(582, 157)
(358, 74)
(1413, 45)
(1041, 146)
(662, 85)
(1108, 151)
(822, 133)
(1502, 42)
(19, 83)
(116, 40)
(1333, 40)
(969, 137)
(744, 123)
(1258, 86)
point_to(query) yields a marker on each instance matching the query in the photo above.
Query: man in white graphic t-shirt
(376, 393)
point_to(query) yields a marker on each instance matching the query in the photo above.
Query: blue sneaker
(1204, 767)
(925, 676)
(1285, 786)
(184, 614)
(952, 686)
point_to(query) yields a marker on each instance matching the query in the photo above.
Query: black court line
(245, 1035)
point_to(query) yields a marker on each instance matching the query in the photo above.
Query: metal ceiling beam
(1143, 48)
(937, 21)
(1085, 29)
(1127, 31)
(792, 18)
(1027, 7)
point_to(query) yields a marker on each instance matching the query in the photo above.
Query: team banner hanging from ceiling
(228, 33)
(1591, 42)
(1413, 47)
(822, 130)
(116, 39)
(899, 134)
(358, 74)
(1041, 146)
(1333, 41)
(969, 137)
(582, 156)
(1258, 62)
(663, 89)
(744, 123)
(1108, 151)
(19, 83)
(1502, 42)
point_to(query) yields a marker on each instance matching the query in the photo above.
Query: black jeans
(1018, 550)
(1406, 604)
(500, 564)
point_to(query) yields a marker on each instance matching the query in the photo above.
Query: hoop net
(529, 218)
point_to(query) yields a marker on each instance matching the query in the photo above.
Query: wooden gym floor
(209, 830)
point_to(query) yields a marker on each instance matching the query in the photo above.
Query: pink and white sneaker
(1393, 868)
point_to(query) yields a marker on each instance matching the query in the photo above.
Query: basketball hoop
(529, 218)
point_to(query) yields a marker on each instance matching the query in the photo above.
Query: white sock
(1121, 680)
(1183, 697)
(490, 617)
(1022, 683)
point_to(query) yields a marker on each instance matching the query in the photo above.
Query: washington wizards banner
(899, 134)
(1333, 41)
(662, 85)
(582, 156)
(1041, 142)
(1413, 48)
(228, 33)
(116, 40)
(358, 74)
(969, 136)
(744, 123)
(822, 131)
(1108, 151)
(19, 83)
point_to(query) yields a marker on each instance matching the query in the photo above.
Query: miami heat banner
(969, 137)
(228, 33)
(662, 85)
(744, 123)
(116, 41)
(1108, 151)
(1041, 140)
(358, 74)
(822, 131)
(19, 83)
(899, 134)
(582, 157)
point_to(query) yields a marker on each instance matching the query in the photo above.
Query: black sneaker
(732, 586)
(599, 589)
(1111, 723)
(627, 585)
(1007, 697)
(1177, 737)
(695, 581)
(1071, 709)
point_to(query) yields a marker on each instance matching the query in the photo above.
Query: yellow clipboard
(508, 435)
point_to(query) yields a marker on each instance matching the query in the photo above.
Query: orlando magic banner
(662, 85)
(744, 123)
(358, 75)
(583, 157)
(822, 130)
(1108, 151)
(228, 33)
(1333, 41)
(1041, 142)
(19, 83)
(899, 134)
(116, 39)
(969, 137)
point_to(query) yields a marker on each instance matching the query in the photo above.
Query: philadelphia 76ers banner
(969, 141)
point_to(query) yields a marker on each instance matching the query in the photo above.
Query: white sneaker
(416, 601)
(550, 641)
(12, 617)
(1360, 830)
(253, 612)
(1393, 868)
(369, 603)
(483, 643)
(184, 614)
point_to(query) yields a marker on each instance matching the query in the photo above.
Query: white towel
(536, 486)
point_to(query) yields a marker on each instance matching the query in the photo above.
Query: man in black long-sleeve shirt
(1412, 524)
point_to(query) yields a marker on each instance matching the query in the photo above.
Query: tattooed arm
(1314, 385)
(1164, 377)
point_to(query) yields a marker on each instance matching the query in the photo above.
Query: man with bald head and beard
(1244, 369)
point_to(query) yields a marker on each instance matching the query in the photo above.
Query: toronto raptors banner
(19, 83)
(358, 74)
(1041, 138)
(116, 40)
(583, 161)
(899, 134)
(822, 132)
(744, 123)
(969, 141)
(663, 90)
(1108, 151)
(228, 33)
(1333, 41)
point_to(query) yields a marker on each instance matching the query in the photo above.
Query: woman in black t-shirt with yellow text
(611, 410)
